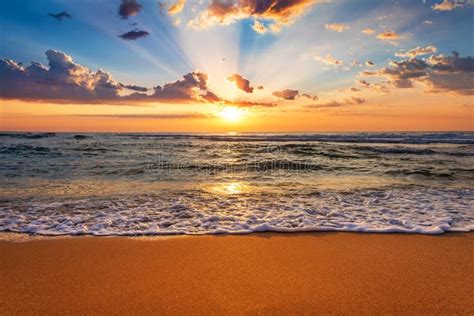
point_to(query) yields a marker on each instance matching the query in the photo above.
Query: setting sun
(231, 114)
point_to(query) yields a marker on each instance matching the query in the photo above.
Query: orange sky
(400, 112)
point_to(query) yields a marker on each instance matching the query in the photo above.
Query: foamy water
(161, 184)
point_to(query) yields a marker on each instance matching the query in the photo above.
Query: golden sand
(316, 273)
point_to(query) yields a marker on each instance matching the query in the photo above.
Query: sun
(231, 114)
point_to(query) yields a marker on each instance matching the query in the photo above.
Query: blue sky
(91, 35)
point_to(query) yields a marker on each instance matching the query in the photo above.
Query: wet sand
(314, 273)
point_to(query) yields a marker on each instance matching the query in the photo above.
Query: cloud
(310, 96)
(450, 83)
(248, 104)
(363, 83)
(335, 104)
(369, 63)
(129, 8)
(368, 31)
(289, 94)
(286, 94)
(259, 27)
(438, 73)
(177, 7)
(356, 63)
(193, 86)
(278, 12)
(60, 16)
(66, 81)
(167, 116)
(400, 74)
(241, 83)
(133, 35)
(388, 36)
(417, 51)
(337, 27)
(329, 60)
(134, 88)
(379, 87)
(449, 5)
(453, 63)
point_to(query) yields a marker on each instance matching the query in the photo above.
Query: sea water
(157, 184)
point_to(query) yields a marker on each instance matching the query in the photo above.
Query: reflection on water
(231, 188)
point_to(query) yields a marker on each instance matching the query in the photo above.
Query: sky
(236, 65)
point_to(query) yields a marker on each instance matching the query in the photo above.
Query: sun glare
(231, 114)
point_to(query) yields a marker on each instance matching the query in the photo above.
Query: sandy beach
(337, 273)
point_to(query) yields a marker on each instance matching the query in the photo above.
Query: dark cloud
(451, 74)
(289, 94)
(135, 88)
(439, 73)
(65, 80)
(453, 63)
(129, 8)
(400, 74)
(60, 16)
(193, 86)
(363, 83)
(335, 104)
(133, 35)
(310, 96)
(241, 83)
(286, 94)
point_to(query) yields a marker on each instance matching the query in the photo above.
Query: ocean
(167, 184)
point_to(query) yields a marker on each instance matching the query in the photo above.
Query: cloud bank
(438, 73)
(64, 80)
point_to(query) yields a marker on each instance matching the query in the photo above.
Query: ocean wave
(423, 211)
(22, 149)
(387, 138)
(28, 135)
(80, 137)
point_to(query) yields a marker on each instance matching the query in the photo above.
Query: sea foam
(423, 211)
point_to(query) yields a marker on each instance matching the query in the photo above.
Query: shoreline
(8, 236)
(266, 273)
